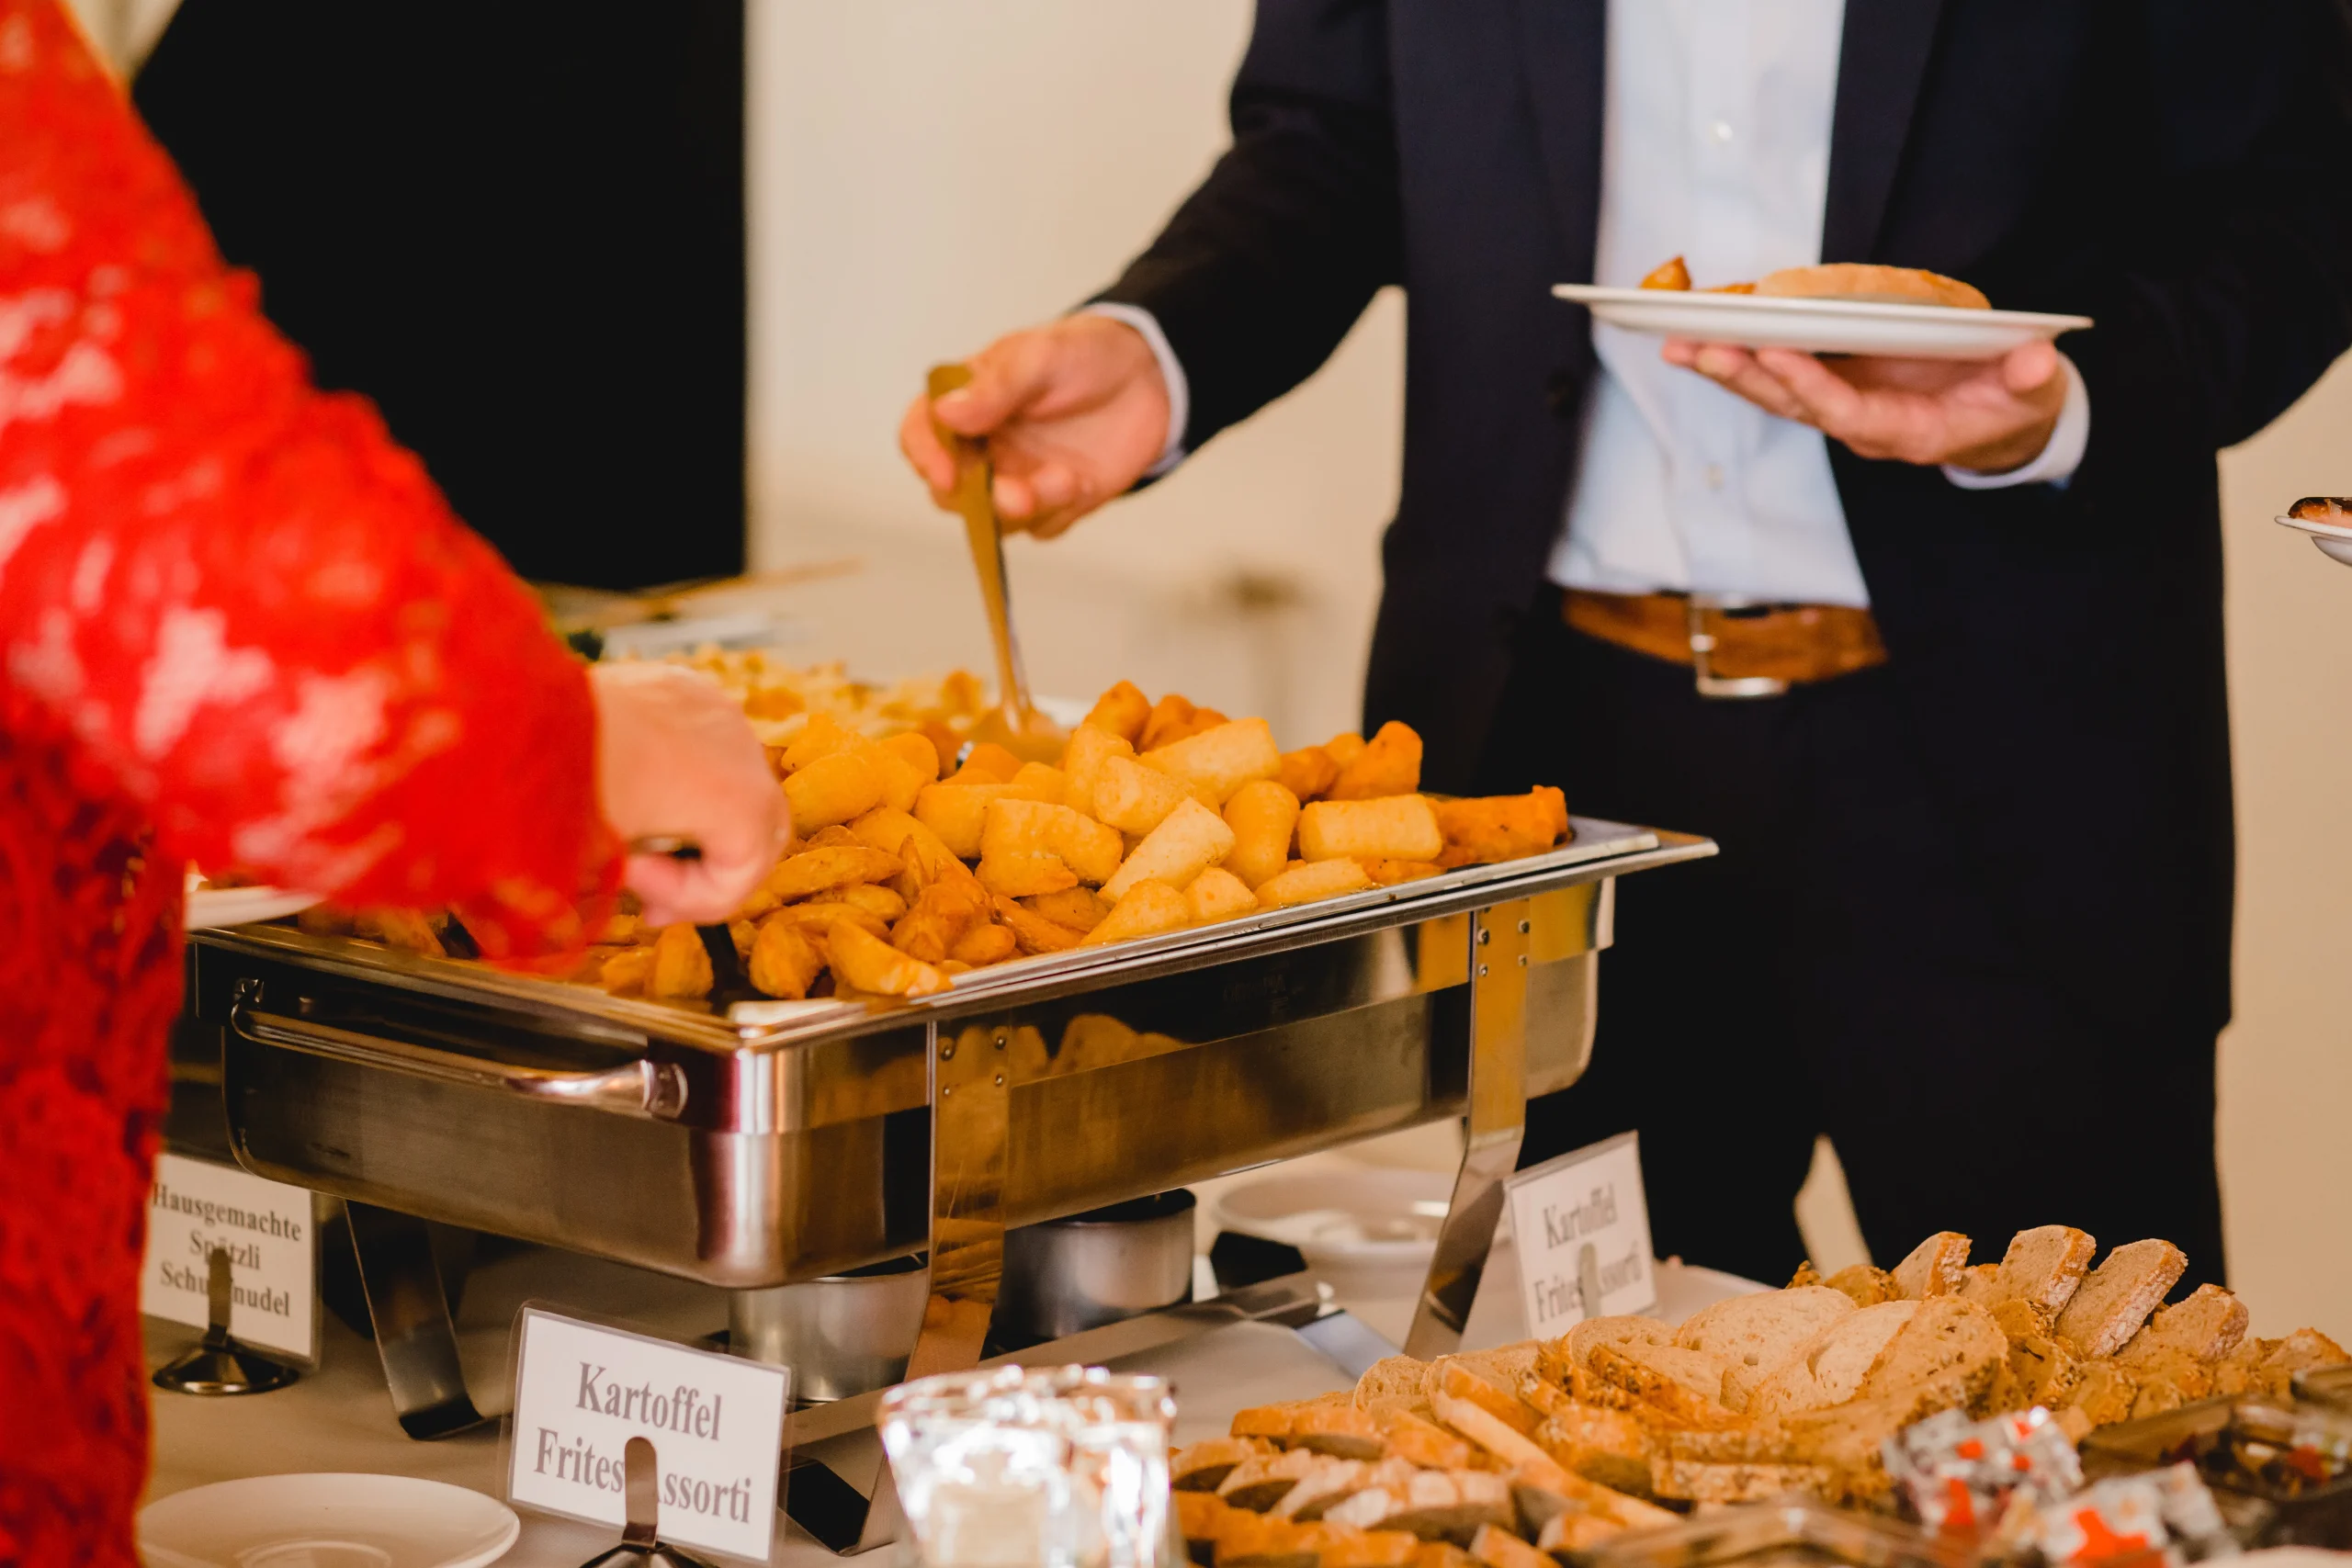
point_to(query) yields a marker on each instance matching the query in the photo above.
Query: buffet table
(340, 1419)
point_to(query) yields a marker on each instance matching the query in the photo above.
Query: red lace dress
(238, 627)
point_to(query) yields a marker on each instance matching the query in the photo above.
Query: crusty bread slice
(1829, 1368)
(2045, 1367)
(1757, 1330)
(1558, 1359)
(1372, 1548)
(1858, 280)
(2205, 1326)
(1442, 1554)
(1934, 1267)
(1255, 1541)
(1422, 1443)
(1268, 1422)
(2116, 1298)
(2019, 1319)
(2103, 1393)
(1678, 1390)
(1435, 1504)
(1201, 1517)
(1257, 1483)
(2044, 1266)
(1867, 1286)
(1607, 1447)
(1332, 1482)
(1500, 1548)
(1719, 1483)
(1506, 1366)
(1392, 1382)
(1950, 1349)
(1342, 1431)
(1459, 1381)
(1576, 1532)
(1981, 1283)
(1543, 1490)
(1203, 1465)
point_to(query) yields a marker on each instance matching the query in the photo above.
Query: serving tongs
(1014, 723)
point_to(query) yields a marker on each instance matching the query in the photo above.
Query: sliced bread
(1371, 1549)
(2045, 1265)
(1392, 1382)
(1758, 1330)
(1949, 1353)
(1500, 1548)
(1829, 1368)
(1423, 1444)
(1866, 1285)
(1342, 1431)
(1332, 1482)
(1204, 1464)
(1933, 1268)
(2045, 1367)
(2206, 1325)
(1714, 1484)
(1257, 1483)
(1432, 1504)
(2116, 1298)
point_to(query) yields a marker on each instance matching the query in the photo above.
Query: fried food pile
(1567, 1442)
(779, 697)
(1159, 817)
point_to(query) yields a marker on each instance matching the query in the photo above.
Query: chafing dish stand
(756, 1144)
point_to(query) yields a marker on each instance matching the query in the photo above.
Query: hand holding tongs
(1015, 723)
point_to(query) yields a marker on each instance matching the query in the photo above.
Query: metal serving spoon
(1014, 723)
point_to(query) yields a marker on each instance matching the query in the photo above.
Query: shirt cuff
(2069, 440)
(1171, 373)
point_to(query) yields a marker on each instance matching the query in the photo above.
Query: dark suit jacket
(2181, 170)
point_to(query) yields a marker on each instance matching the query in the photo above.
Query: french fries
(1316, 879)
(1390, 763)
(1135, 798)
(1222, 759)
(1263, 816)
(1398, 827)
(1192, 840)
(1218, 894)
(1147, 908)
(1501, 827)
(1161, 817)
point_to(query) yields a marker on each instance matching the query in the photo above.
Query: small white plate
(1819, 326)
(210, 907)
(2334, 539)
(326, 1521)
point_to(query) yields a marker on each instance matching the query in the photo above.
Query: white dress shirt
(1716, 147)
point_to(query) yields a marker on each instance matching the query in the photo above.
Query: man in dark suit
(1963, 733)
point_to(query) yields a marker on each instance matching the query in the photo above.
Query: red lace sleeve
(252, 610)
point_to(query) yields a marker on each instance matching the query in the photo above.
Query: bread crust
(1863, 280)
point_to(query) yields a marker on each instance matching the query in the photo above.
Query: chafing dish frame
(358, 1071)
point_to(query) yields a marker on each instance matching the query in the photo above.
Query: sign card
(582, 1391)
(1583, 1231)
(196, 1207)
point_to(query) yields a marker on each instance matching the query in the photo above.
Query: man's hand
(1985, 415)
(1074, 412)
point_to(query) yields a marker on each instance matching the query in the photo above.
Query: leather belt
(1734, 648)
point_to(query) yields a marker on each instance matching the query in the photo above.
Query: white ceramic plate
(210, 907)
(1366, 1233)
(326, 1521)
(1819, 326)
(2334, 539)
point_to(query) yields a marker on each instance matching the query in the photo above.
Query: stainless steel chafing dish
(760, 1143)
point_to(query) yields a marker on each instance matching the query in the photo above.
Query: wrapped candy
(2167, 1511)
(1963, 1476)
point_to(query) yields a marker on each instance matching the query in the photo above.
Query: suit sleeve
(1265, 267)
(233, 599)
(2212, 335)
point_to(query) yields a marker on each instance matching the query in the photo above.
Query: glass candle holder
(1065, 1467)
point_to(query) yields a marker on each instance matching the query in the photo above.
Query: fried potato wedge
(1390, 763)
(1147, 908)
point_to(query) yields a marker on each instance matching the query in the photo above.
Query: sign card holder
(1582, 1226)
(674, 1445)
(236, 1256)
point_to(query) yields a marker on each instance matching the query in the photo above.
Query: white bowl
(1367, 1233)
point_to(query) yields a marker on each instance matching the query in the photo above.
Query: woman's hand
(675, 758)
(1985, 415)
(1073, 411)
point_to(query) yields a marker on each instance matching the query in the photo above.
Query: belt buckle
(1703, 643)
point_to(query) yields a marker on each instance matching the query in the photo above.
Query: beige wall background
(927, 173)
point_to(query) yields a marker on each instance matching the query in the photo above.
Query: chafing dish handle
(641, 1088)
